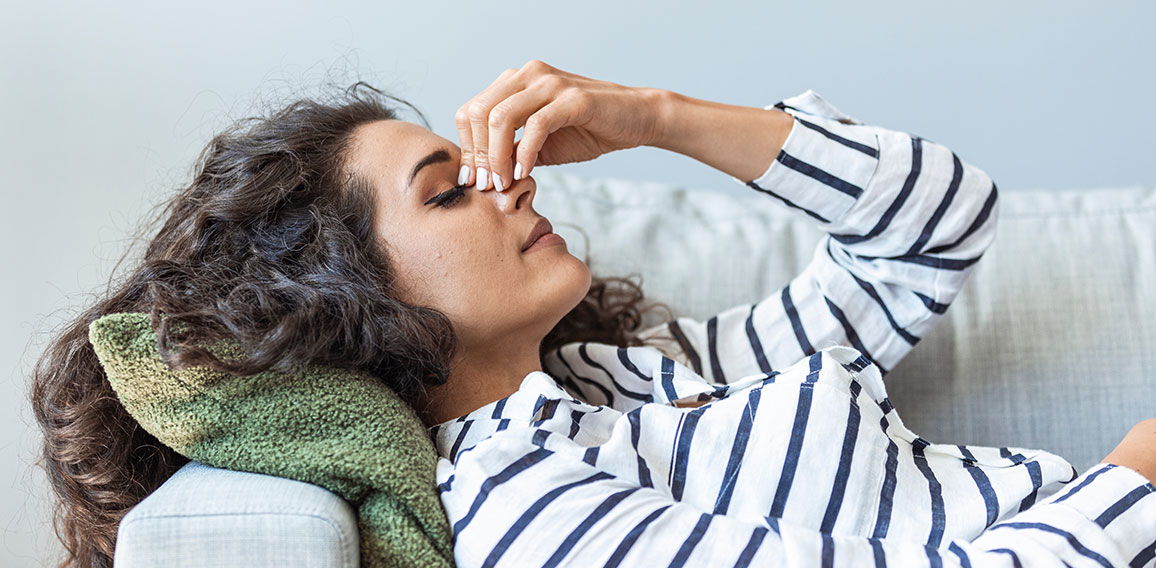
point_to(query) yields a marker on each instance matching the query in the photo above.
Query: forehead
(386, 151)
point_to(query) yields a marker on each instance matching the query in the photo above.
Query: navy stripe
(738, 450)
(575, 417)
(1122, 505)
(990, 500)
(712, 350)
(867, 287)
(827, 553)
(893, 209)
(877, 552)
(460, 438)
(796, 323)
(984, 213)
(632, 537)
(752, 546)
(499, 407)
(691, 541)
(548, 409)
(932, 304)
(597, 514)
(756, 345)
(929, 227)
(933, 557)
(844, 141)
(624, 358)
(530, 514)
(887, 494)
(605, 392)
(818, 174)
(850, 331)
(1144, 556)
(539, 438)
(635, 418)
(795, 446)
(1015, 559)
(644, 397)
(1037, 478)
(682, 452)
(676, 331)
(668, 379)
(1085, 482)
(835, 502)
(789, 203)
(928, 260)
(503, 424)
(938, 515)
(1071, 538)
(522, 464)
(591, 455)
(445, 485)
(964, 561)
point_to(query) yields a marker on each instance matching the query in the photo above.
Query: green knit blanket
(342, 430)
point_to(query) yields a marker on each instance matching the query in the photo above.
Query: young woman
(335, 233)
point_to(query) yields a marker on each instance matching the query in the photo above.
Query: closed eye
(449, 197)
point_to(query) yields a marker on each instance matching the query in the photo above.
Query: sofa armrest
(207, 516)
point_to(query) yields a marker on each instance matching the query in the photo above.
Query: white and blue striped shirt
(799, 458)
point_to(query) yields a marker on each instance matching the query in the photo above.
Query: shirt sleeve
(521, 504)
(906, 220)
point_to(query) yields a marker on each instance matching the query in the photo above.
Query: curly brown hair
(270, 245)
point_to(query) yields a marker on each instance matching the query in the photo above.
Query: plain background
(106, 105)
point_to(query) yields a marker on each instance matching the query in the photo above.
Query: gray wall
(106, 104)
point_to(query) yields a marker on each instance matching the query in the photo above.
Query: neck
(479, 376)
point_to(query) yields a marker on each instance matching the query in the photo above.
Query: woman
(334, 233)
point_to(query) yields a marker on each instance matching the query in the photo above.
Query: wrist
(660, 104)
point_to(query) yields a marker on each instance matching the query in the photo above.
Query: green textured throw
(342, 430)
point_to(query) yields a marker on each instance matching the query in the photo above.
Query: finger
(538, 127)
(479, 117)
(466, 138)
(505, 120)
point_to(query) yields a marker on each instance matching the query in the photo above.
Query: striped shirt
(798, 457)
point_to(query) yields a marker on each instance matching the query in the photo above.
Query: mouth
(542, 227)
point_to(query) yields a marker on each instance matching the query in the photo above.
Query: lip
(542, 227)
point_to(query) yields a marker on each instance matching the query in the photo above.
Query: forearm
(740, 141)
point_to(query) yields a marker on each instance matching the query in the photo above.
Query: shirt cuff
(1108, 506)
(824, 166)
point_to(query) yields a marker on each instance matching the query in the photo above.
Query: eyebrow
(436, 157)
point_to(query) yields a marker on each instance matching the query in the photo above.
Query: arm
(906, 218)
(518, 503)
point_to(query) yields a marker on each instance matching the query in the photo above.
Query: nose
(520, 195)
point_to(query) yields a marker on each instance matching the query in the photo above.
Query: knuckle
(551, 83)
(477, 112)
(535, 65)
(462, 116)
(499, 115)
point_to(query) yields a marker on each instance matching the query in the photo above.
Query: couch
(1051, 345)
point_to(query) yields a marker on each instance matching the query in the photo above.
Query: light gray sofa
(1051, 345)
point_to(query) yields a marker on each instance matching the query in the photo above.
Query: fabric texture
(207, 517)
(798, 456)
(341, 430)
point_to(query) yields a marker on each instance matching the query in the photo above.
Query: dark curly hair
(269, 245)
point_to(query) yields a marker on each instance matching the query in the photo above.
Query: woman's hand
(567, 118)
(1137, 450)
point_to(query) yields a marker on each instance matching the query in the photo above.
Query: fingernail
(498, 181)
(517, 171)
(483, 178)
(464, 175)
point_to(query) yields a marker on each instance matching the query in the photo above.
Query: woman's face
(465, 259)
